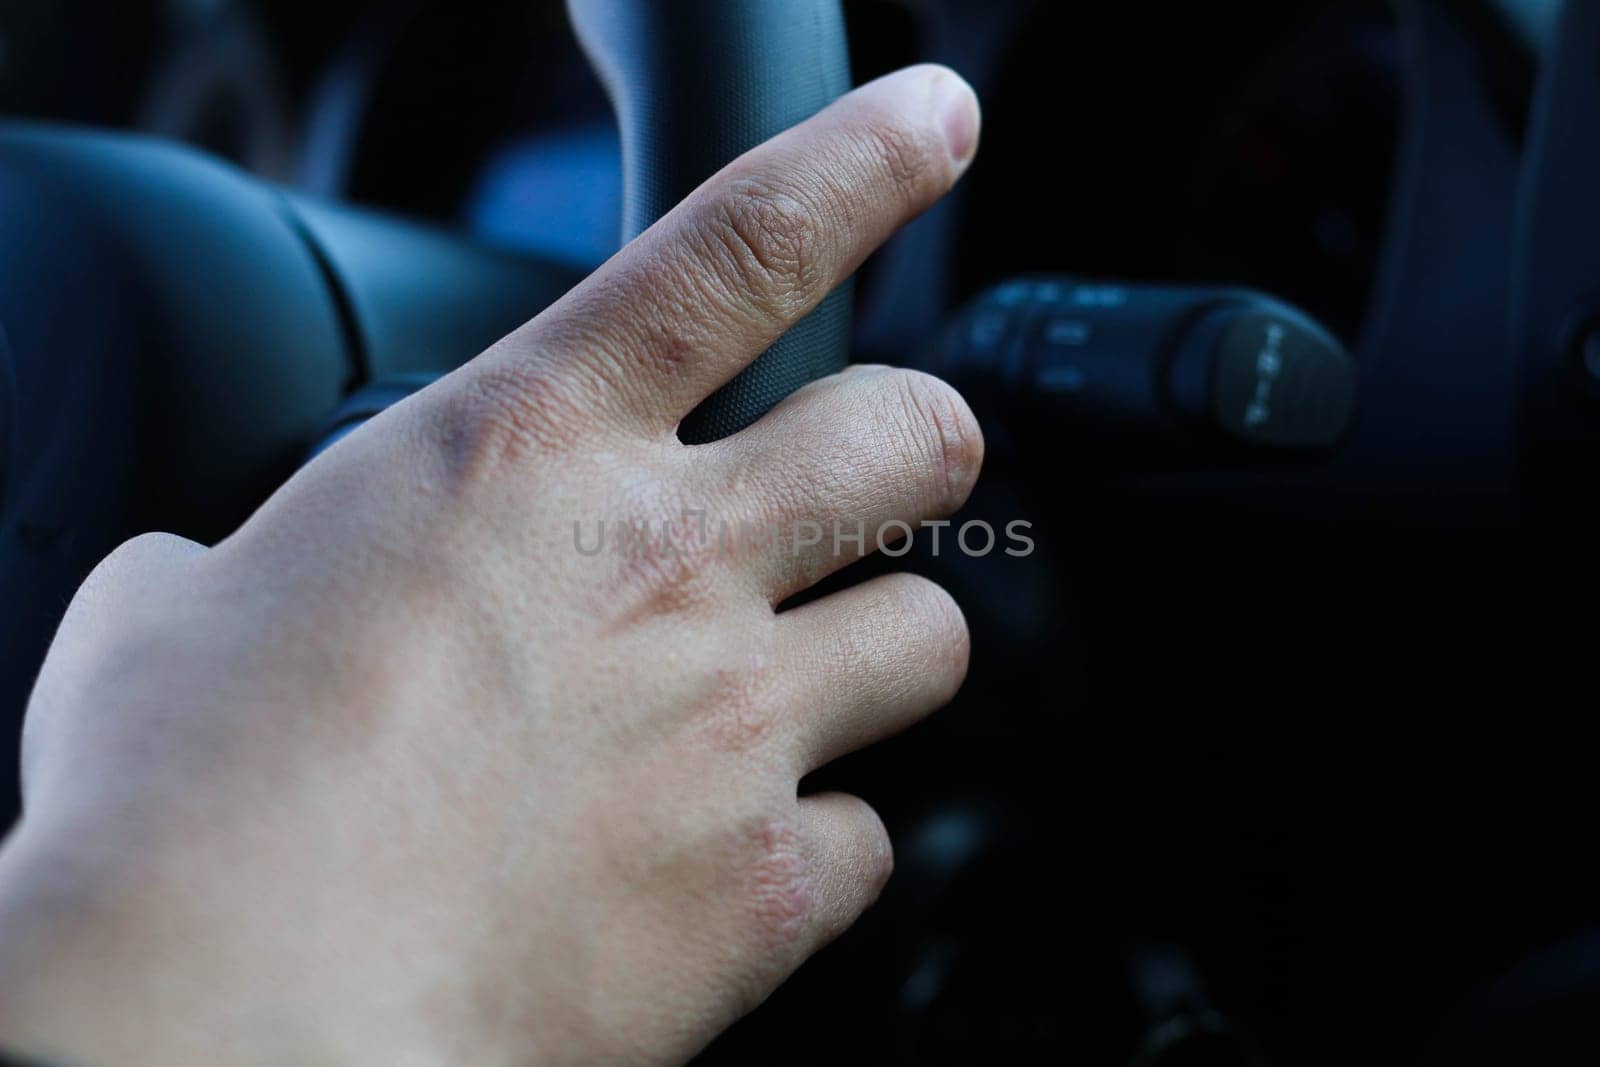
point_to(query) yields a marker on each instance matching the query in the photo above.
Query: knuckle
(770, 235)
(666, 564)
(670, 583)
(742, 719)
(940, 436)
(781, 892)
(497, 416)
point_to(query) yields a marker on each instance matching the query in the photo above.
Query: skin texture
(398, 774)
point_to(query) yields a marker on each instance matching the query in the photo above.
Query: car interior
(1283, 324)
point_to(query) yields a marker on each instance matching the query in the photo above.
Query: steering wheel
(179, 335)
(681, 117)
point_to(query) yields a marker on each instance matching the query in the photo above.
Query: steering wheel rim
(694, 84)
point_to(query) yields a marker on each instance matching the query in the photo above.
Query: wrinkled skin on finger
(404, 772)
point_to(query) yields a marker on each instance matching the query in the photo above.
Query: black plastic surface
(695, 83)
(1163, 376)
(174, 347)
(8, 417)
(1278, 383)
(1555, 331)
(421, 300)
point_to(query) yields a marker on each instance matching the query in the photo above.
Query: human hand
(401, 773)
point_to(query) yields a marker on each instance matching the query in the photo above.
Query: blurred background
(1257, 765)
(1150, 138)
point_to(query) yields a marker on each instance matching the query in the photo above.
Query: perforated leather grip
(694, 84)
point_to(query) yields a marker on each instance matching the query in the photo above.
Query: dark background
(1260, 764)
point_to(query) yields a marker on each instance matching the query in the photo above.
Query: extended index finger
(686, 305)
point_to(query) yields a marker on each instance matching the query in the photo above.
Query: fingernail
(957, 105)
